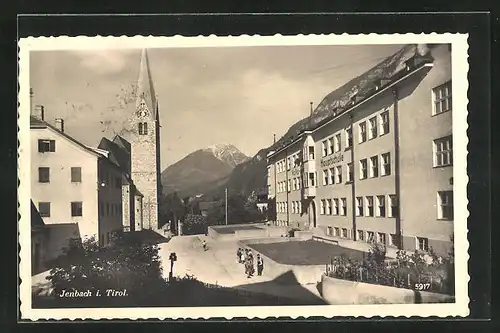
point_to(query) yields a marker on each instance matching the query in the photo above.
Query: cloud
(104, 62)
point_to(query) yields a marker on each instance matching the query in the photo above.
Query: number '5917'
(422, 286)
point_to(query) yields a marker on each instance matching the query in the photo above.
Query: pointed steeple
(145, 89)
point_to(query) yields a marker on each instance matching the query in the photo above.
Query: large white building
(380, 168)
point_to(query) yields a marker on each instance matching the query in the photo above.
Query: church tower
(145, 145)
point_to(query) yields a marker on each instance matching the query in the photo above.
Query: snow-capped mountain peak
(228, 153)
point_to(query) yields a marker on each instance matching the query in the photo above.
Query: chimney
(60, 124)
(38, 112)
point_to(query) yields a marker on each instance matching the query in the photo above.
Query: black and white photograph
(199, 177)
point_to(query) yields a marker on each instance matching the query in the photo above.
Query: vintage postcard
(243, 177)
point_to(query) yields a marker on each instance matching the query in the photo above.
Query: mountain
(250, 176)
(201, 170)
(228, 153)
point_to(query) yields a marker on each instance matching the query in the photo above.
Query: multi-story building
(381, 168)
(73, 184)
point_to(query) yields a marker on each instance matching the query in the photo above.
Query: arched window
(143, 128)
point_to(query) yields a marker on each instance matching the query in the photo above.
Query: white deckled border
(460, 68)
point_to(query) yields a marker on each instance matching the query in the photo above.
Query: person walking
(204, 244)
(251, 265)
(238, 255)
(260, 265)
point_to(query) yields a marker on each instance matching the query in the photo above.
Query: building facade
(380, 170)
(73, 185)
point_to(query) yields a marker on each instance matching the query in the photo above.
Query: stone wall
(337, 291)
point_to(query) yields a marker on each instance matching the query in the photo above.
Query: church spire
(145, 88)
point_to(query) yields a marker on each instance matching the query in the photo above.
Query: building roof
(145, 88)
(117, 154)
(120, 141)
(38, 123)
(36, 219)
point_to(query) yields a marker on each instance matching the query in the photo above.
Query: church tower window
(143, 128)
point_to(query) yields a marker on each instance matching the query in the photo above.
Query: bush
(404, 272)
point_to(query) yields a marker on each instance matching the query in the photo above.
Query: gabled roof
(36, 219)
(117, 154)
(145, 88)
(38, 123)
(120, 141)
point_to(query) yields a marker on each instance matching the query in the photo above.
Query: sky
(207, 96)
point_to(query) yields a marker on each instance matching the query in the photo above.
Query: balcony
(309, 192)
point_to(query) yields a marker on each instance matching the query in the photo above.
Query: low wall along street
(337, 291)
(248, 231)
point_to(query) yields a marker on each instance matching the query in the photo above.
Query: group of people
(245, 256)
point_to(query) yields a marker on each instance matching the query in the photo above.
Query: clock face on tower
(142, 110)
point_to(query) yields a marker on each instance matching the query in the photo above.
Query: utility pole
(226, 205)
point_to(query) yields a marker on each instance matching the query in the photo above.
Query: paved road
(218, 266)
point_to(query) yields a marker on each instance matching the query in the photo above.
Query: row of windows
(385, 166)
(143, 128)
(421, 243)
(76, 176)
(75, 206)
(288, 163)
(377, 126)
(291, 184)
(334, 206)
(365, 206)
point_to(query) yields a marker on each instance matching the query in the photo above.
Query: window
(76, 175)
(143, 128)
(295, 184)
(325, 177)
(311, 152)
(350, 172)
(361, 235)
(372, 122)
(363, 169)
(348, 136)
(298, 183)
(393, 240)
(344, 233)
(338, 174)
(386, 164)
(312, 179)
(442, 98)
(370, 236)
(322, 206)
(44, 209)
(359, 206)
(381, 238)
(337, 142)
(422, 244)
(336, 232)
(288, 185)
(330, 146)
(288, 162)
(380, 205)
(45, 146)
(329, 206)
(335, 206)
(443, 151)
(44, 175)
(324, 144)
(374, 166)
(445, 205)
(384, 122)
(300, 207)
(369, 206)
(393, 206)
(331, 174)
(362, 132)
(343, 206)
(77, 208)
(286, 207)
(293, 207)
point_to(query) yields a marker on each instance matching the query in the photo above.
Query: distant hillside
(201, 170)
